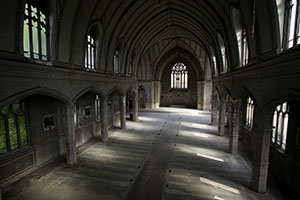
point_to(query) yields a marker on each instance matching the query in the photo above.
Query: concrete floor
(170, 154)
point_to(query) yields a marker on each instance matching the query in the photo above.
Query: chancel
(149, 99)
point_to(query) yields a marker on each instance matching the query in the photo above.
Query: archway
(35, 129)
(114, 109)
(87, 116)
(142, 95)
(178, 85)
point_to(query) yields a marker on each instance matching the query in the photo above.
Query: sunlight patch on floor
(219, 185)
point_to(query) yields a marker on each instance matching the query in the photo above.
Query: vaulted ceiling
(150, 29)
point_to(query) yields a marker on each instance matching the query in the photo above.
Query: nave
(169, 154)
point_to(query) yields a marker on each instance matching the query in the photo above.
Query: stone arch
(215, 106)
(88, 109)
(115, 113)
(87, 90)
(173, 55)
(241, 94)
(51, 111)
(278, 98)
(35, 91)
(115, 89)
(264, 135)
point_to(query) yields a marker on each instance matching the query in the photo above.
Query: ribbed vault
(146, 28)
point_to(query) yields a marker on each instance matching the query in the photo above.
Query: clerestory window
(241, 36)
(90, 52)
(280, 125)
(223, 53)
(179, 76)
(116, 62)
(289, 22)
(35, 31)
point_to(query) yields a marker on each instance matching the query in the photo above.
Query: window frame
(116, 62)
(181, 78)
(5, 118)
(283, 122)
(90, 52)
(41, 8)
(250, 107)
(287, 42)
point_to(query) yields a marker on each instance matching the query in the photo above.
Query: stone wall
(178, 97)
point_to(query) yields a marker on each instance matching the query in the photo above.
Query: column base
(71, 154)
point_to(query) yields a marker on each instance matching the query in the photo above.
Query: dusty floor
(170, 154)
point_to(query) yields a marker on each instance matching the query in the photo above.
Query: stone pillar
(221, 125)
(235, 126)
(155, 94)
(123, 111)
(214, 111)
(261, 153)
(135, 108)
(104, 120)
(214, 117)
(200, 85)
(70, 136)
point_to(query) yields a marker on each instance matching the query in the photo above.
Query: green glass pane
(16, 108)
(3, 146)
(26, 39)
(35, 41)
(26, 9)
(44, 42)
(34, 12)
(23, 130)
(13, 137)
(42, 18)
(5, 110)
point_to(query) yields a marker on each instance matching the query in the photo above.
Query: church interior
(149, 99)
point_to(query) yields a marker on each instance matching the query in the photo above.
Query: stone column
(261, 153)
(135, 108)
(221, 125)
(235, 126)
(200, 85)
(214, 111)
(104, 120)
(155, 94)
(70, 136)
(123, 111)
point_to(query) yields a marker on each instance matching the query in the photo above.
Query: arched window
(116, 62)
(289, 22)
(35, 30)
(90, 52)
(280, 125)
(13, 128)
(223, 53)
(249, 113)
(241, 37)
(179, 76)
